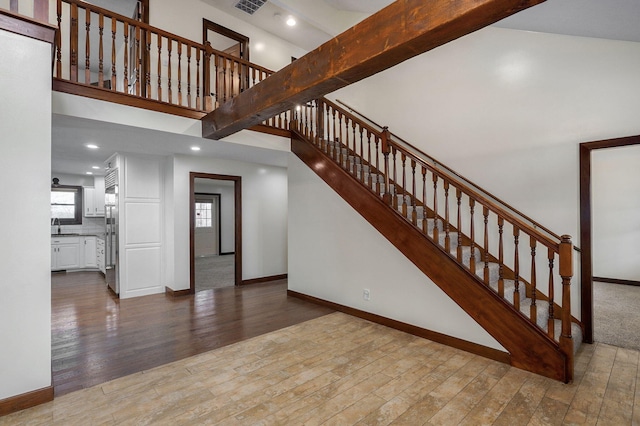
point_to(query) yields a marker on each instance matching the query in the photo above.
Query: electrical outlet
(366, 294)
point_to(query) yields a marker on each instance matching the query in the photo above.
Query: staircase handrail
(446, 172)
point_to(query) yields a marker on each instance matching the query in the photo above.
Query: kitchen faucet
(53, 223)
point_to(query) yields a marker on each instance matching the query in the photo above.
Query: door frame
(586, 243)
(224, 31)
(237, 186)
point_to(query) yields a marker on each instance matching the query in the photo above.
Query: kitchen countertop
(98, 235)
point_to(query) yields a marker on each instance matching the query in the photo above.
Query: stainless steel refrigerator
(111, 230)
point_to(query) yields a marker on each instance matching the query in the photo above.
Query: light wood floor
(341, 370)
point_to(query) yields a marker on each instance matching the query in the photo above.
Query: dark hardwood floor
(96, 337)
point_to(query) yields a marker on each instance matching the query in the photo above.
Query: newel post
(386, 149)
(566, 272)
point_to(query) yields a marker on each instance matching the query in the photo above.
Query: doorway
(228, 78)
(590, 236)
(215, 231)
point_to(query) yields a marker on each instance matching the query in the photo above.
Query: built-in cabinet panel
(90, 259)
(65, 253)
(141, 200)
(143, 223)
(93, 198)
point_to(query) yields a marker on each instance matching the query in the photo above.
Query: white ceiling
(318, 21)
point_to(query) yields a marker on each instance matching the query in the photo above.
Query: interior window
(66, 204)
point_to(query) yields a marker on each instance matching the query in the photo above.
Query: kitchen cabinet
(65, 253)
(100, 261)
(94, 198)
(90, 257)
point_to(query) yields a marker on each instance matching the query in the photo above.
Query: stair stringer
(529, 347)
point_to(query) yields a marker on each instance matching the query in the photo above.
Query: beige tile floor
(341, 370)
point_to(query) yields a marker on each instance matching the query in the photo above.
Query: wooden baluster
(386, 149)
(566, 272)
(333, 145)
(551, 323)
(198, 102)
(485, 214)
(101, 51)
(73, 44)
(533, 313)
(147, 65)
(395, 178)
(138, 60)
(87, 47)
(340, 139)
(41, 10)
(126, 58)
(425, 229)
(361, 132)
(159, 67)
(179, 72)
(436, 231)
(169, 50)
(472, 258)
(500, 257)
(516, 268)
(225, 89)
(414, 213)
(386, 135)
(403, 158)
(327, 129)
(370, 178)
(459, 225)
(58, 40)
(113, 53)
(355, 139)
(447, 237)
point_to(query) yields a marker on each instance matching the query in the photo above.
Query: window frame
(78, 200)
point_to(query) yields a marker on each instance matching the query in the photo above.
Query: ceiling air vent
(250, 6)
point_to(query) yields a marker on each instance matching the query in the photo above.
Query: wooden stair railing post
(101, 50)
(87, 47)
(485, 214)
(73, 43)
(551, 256)
(533, 310)
(566, 272)
(516, 268)
(59, 39)
(320, 122)
(386, 150)
(206, 76)
(500, 256)
(41, 10)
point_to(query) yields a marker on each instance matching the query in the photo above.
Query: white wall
(276, 54)
(334, 254)
(615, 192)
(25, 168)
(507, 109)
(227, 210)
(264, 216)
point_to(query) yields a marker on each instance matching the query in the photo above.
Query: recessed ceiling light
(92, 146)
(89, 173)
(291, 21)
(259, 47)
(95, 167)
(195, 148)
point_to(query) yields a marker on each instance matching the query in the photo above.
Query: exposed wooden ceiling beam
(402, 30)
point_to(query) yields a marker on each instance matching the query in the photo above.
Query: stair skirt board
(434, 336)
(529, 346)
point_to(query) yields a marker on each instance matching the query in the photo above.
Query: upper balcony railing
(104, 55)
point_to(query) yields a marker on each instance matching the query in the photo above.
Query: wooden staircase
(465, 240)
